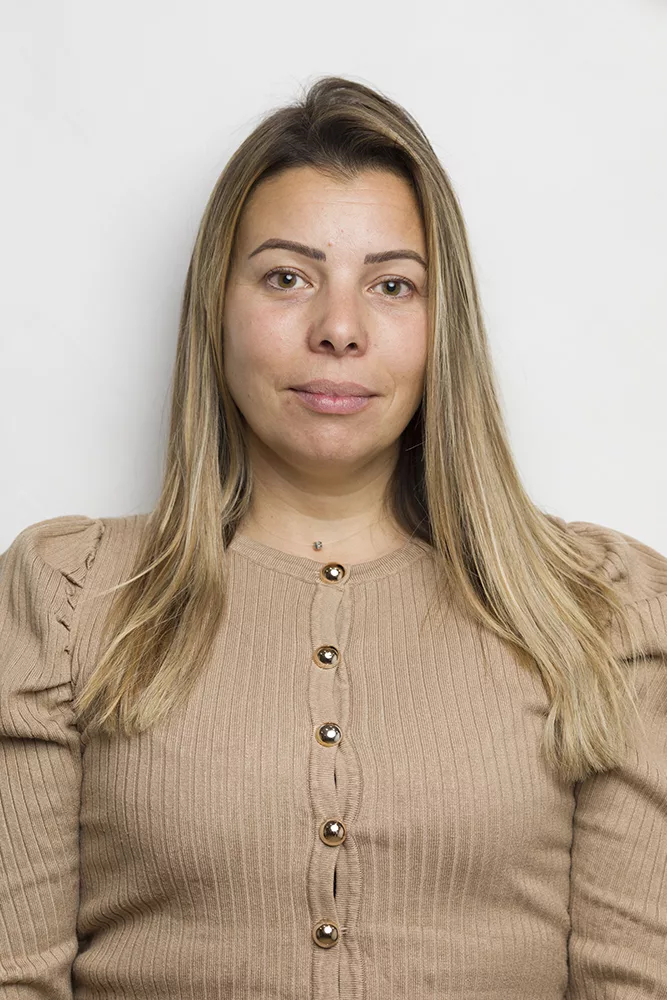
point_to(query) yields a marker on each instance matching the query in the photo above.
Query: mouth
(322, 402)
(326, 387)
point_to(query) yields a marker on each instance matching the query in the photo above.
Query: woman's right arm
(41, 577)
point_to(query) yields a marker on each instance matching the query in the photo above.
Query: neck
(290, 511)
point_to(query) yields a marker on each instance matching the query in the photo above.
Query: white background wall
(118, 118)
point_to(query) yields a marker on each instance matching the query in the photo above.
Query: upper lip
(329, 388)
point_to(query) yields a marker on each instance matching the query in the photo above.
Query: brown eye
(393, 284)
(289, 276)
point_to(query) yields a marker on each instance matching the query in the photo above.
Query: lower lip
(333, 404)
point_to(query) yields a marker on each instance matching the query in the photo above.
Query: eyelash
(291, 270)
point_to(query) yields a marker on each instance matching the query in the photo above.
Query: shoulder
(49, 562)
(58, 543)
(69, 543)
(638, 571)
(638, 574)
(43, 573)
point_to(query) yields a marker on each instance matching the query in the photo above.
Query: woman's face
(321, 309)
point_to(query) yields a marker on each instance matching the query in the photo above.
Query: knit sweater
(351, 806)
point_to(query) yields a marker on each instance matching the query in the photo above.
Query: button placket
(329, 830)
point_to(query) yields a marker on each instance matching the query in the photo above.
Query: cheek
(258, 359)
(404, 355)
(252, 339)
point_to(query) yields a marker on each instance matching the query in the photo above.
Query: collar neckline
(309, 569)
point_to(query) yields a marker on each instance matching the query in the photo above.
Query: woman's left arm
(617, 947)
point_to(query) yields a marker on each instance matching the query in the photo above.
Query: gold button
(325, 934)
(332, 832)
(326, 656)
(332, 572)
(328, 734)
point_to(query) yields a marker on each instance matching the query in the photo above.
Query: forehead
(306, 197)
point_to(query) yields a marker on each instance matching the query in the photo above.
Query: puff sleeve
(617, 946)
(42, 574)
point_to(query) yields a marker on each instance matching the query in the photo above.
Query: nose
(339, 325)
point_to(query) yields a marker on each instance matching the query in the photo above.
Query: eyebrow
(370, 258)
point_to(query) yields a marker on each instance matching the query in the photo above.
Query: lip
(329, 388)
(320, 402)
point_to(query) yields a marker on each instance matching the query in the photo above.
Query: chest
(421, 734)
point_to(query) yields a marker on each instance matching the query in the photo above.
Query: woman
(346, 715)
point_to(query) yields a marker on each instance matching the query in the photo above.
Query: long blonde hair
(455, 484)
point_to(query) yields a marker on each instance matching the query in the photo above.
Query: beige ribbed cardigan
(376, 825)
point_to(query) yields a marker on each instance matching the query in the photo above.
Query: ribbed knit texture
(187, 863)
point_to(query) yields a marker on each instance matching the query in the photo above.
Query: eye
(394, 283)
(288, 272)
